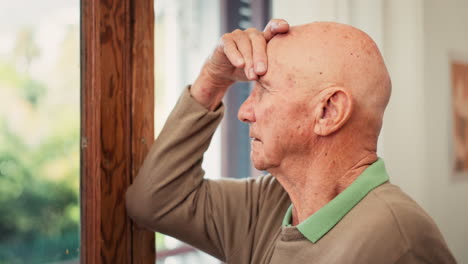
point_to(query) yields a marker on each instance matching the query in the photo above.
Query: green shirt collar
(322, 221)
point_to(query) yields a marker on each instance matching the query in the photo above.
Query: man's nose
(246, 113)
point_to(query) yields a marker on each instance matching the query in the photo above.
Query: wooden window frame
(117, 130)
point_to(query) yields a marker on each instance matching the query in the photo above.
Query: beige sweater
(240, 221)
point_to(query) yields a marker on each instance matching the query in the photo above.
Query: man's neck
(313, 182)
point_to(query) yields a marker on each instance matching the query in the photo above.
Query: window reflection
(39, 131)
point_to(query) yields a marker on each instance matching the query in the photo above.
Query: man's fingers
(246, 50)
(258, 52)
(234, 56)
(275, 26)
(245, 47)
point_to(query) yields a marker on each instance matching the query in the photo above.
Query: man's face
(280, 108)
(280, 122)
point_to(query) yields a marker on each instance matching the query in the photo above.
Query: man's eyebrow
(263, 82)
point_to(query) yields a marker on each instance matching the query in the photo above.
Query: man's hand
(240, 56)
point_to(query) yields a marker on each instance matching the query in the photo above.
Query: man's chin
(260, 167)
(260, 164)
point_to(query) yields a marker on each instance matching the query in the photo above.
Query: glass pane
(185, 33)
(39, 131)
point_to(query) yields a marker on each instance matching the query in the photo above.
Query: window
(186, 31)
(39, 131)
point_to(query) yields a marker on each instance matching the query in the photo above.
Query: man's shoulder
(405, 213)
(394, 215)
(381, 213)
(388, 207)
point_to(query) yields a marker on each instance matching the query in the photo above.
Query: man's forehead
(284, 55)
(285, 46)
(281, 38)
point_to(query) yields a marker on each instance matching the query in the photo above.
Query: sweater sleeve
(170, 195)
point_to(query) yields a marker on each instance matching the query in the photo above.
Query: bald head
(320, 55)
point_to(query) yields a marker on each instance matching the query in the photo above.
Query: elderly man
(315, 114)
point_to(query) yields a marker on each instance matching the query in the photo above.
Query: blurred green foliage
(39, 153)
(160, 242)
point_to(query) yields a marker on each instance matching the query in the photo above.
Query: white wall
(404, 144)
(445, 32)
(416, 38)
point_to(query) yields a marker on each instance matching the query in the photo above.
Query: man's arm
(169, 194)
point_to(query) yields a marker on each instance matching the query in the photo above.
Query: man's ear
(333, 110)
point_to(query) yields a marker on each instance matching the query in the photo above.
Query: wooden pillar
(117, 108)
